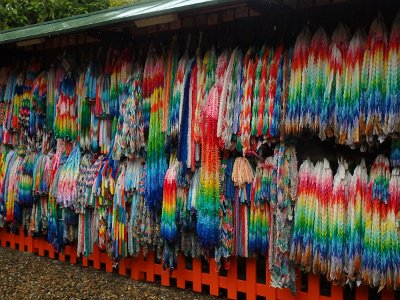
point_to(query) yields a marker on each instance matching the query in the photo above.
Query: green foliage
(115, 3)
(16, 13)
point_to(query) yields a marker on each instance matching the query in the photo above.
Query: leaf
(16, 13)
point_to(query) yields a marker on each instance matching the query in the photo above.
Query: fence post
(362, 293)
(313, 286)
(386, 295)
(336, 292)
(50, 248)
(232, 278)
(29, 243)
(180, 272)
(251, 278)
(122, 266)
(138, 265)
(197, 272)
(21, 239)
(96, 257)
(214, 278)
(149, 266)
(135, 268)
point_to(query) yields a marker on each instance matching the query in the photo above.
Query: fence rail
(242, 280)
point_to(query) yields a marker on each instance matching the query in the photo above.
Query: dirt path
(28, 276)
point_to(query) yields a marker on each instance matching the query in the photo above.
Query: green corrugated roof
(105, 17)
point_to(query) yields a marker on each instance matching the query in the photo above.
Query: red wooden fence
(242, 281)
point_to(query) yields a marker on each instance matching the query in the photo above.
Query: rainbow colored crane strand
(392, 118)
(156, 161)
(226, 245)
(192, 147)
(39, 101)
(302, 241)
(129, 138)
(272, 109)
(169, 228)
(53, 234)
(392, 242)
(171, 66)
(333, 97)
(374, 262)
(259, 210)
(205, 83)
(250, 64)
(185, 154)
(25, 184)
(337, 219)
(13, 213)
(26, 113)
(16, 103)
(119, 221)
(376, 91)
(8, 163)
(310, 246)
(68, 180)
(351, 113)
(40, 189)
(83, 178)
(229, 97)
(298, 81)
(324, 186)
(148, 87)
(53, 80)
(172, 213)
(395, 153)
(358, 193)
(315, 82)
(177, 98)
(84, 111)
(258, 100)
(208, 204)
(5, 157)
(66, 125)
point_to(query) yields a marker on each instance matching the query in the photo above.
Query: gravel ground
(28, 276)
